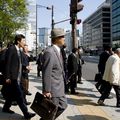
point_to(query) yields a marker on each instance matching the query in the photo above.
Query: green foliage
(115, 46)
(13, 14)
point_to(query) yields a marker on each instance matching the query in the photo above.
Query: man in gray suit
(53, 71)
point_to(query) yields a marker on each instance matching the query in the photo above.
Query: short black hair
(107, 47)
(18, 37)
(74, 50)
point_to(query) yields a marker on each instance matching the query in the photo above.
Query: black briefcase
(44, 107)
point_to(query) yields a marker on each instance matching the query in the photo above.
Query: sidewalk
(80, 107)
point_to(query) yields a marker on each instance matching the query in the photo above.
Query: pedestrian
(80, 63)
(26, 67)
(53, 71)
(101, 84)
(13, 72)
(72, 70)
(39, 63)
(112, 76)
(64, 56)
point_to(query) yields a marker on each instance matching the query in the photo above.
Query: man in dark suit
(13, 71)
(53, 72)
(102, 84)
(39, 63)
(80, 63)
(72, 70)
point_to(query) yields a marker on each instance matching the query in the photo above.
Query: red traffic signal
(79, 21)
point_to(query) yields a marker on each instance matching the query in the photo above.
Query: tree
(13, 14)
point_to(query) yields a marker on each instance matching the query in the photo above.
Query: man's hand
(8, 81)
(47, 94)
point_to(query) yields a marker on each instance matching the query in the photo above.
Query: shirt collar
(17, 47)
(58, 49)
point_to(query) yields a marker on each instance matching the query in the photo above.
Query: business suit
(14, 89)
(72, 71)
(102, 84)
(53, 78)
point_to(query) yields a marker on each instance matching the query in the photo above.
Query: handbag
(98, 77)
(44, 107)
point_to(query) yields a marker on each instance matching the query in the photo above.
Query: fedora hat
(57, 32)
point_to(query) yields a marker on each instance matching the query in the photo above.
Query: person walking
(112, 76)
(53, 72)
(13, 72)
(101, 84)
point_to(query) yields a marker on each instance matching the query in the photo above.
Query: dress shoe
(28, 103)
(29, 115)
(74, 93)
(80, 82)
(101, 103)
(8, 111)
(28, 93)
(118, 106)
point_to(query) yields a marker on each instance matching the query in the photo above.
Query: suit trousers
(117, 91)
(18, 96)
(79, 73)
(25, 84)
(61, 102)
(73, 83)
(106, 90)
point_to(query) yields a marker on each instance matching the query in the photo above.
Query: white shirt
(58, 49)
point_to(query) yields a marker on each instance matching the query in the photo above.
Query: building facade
(115, 18)
(96, 28)
(43, 37)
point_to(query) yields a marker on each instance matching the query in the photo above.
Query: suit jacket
(112, 70)
(72, 64)
(53, 73)
(25, 63)
(102, 61)
(12, 63)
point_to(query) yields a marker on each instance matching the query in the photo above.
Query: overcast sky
(61, 12)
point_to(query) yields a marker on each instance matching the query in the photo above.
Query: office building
(96, 28)
(115, 18)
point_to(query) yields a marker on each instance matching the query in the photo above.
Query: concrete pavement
(80, 107)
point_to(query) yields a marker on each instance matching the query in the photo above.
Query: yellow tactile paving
(89, 108)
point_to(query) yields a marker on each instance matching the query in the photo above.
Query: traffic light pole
(74, 27)
(75, 7)
(52, 17)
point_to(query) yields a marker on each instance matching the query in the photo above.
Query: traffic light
(79, 21)
(75, 6)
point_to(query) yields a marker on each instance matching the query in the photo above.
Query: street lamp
(52, 17)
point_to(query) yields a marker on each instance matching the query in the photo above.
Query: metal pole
(36, 30)
(74, 38)
(52, 17)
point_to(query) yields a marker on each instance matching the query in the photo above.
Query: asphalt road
(89, 69)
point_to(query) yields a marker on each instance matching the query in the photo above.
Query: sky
(62, 11)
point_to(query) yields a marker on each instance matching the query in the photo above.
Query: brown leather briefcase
(44, 107)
